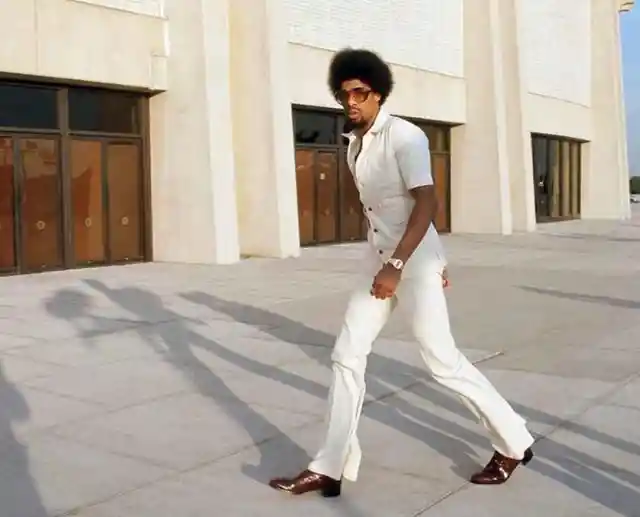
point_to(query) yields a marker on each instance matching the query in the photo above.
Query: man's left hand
(386, 282)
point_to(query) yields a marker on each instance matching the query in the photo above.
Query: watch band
(396, 263)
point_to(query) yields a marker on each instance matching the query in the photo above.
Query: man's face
(359, 102)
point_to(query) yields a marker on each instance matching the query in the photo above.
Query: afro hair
(364, 65)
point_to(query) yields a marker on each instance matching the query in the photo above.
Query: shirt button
(375, 230)
(380, 251)
(369, 209)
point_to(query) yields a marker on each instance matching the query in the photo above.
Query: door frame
(4, 271)
(104, 181)
(315, 149)
(63, 136)
(18, 190)
(65, 229)
(447, 227)
(341, 148)
(538, 195)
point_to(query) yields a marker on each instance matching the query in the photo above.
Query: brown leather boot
(308, 481)
(499, 469)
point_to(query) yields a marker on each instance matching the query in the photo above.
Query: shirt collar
(378, 125)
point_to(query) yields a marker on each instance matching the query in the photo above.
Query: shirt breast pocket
(385, 180)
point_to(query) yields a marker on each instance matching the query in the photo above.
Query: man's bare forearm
(422, 215)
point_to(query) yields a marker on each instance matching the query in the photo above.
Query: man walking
(390, 161)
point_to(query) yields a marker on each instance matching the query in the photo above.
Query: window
(103, 111)
(71, 193)
(28, 107)
(314, 128)
(329, 206)
(556, 177)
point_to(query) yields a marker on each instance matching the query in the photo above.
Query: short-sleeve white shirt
(392, 158)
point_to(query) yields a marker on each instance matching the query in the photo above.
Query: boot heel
(528, 456)
(332, 489)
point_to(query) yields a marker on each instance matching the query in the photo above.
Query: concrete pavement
(164, 390)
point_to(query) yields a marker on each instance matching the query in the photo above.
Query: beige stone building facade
(201, 131)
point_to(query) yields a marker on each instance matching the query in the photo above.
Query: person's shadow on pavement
(18, 492)
(175, 341)
(596, 479)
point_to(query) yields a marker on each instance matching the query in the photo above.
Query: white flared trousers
(423, 302)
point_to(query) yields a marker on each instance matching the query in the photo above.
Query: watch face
(397, 263)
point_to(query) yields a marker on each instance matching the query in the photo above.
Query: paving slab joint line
(564, 423)
(171, 474)
(420, 381)
(180, 472)
(590, 404)
(129, 325)
(94, 416)
(539, 438)
(441, 499)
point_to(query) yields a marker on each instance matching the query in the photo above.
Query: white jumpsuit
(392, 158)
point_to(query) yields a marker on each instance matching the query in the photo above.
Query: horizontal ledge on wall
(141, 8)
(626, 5)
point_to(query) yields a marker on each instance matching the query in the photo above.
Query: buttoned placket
(365, 144)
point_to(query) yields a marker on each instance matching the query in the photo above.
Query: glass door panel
(540, 150)
(124, 177)
(7, 237)
(87, 201)
(40, 204)
(575, 180)
(565, 179)
(553, 195)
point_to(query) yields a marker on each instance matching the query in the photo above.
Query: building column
(605, 171)
(492, 185)
(192, 162)
(263, 129)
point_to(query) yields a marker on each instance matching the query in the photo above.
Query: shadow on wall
(602, 482)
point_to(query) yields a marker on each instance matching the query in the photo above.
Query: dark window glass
(28, 107)
(540, 158)
(103, 111)
(556, 171)
(314, 128)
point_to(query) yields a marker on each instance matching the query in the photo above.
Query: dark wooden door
(41, 206)
(352, 223)
(440, 166)
(124, 185)
(106, 201)
(87, 202)
(305, 184)
(317, 186)
(7, 206)
(326, 202)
